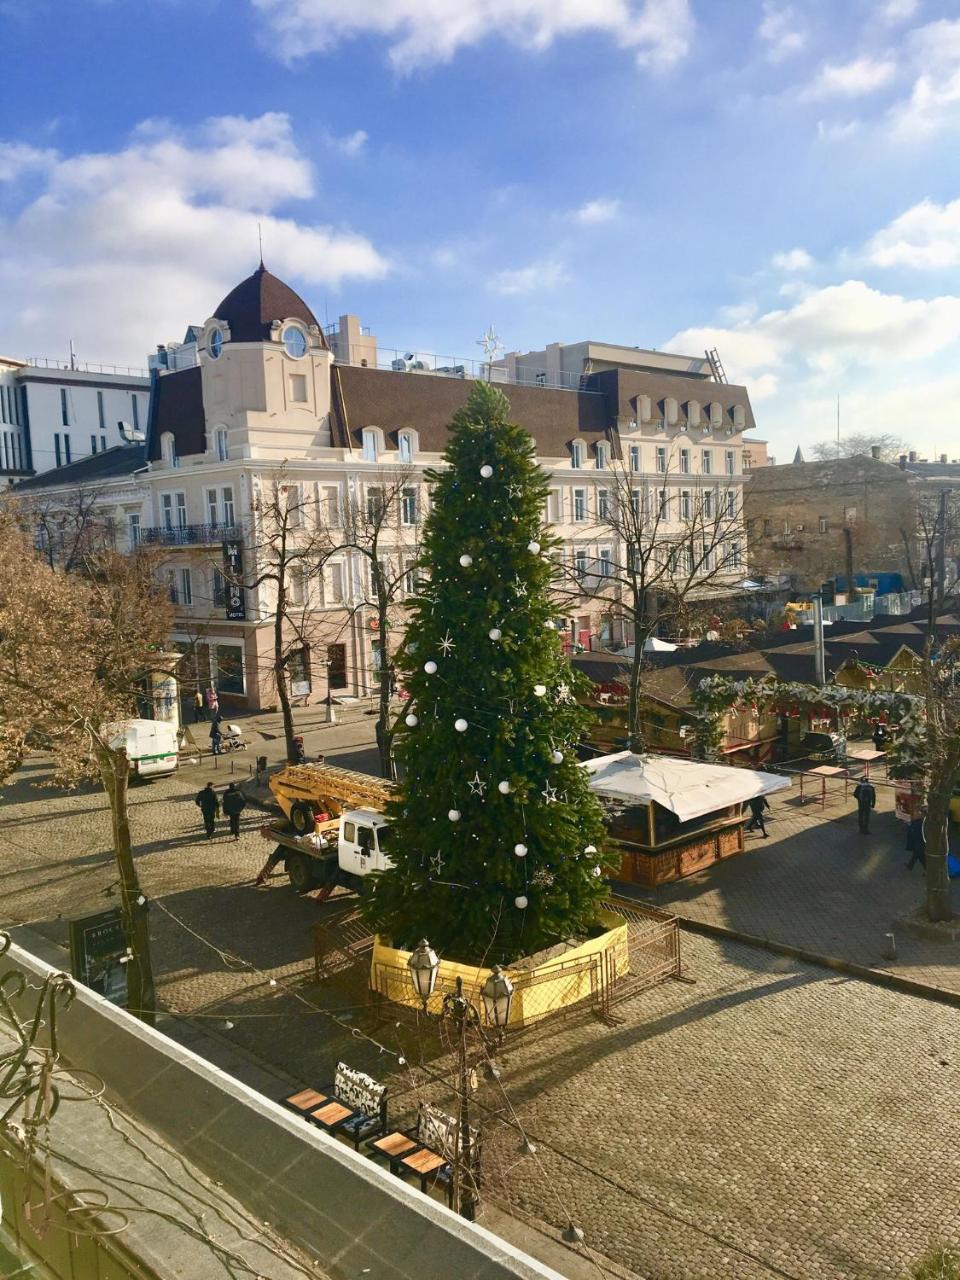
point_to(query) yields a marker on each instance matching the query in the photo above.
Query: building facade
(817, 520)
(54, 414)
(271, 397)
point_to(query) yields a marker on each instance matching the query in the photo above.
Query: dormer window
(602, 457)
(168, 449)
(215, 344)
(221, 445)
(371, 445)
(576, 455)
(405, 446)
(294, 342)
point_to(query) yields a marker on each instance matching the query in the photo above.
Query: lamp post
(497, 996)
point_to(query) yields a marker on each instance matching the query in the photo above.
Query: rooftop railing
(83, 366)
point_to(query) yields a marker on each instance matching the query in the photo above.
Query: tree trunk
(935, 829)
(280, 679)
(141, 994)
(384, 728)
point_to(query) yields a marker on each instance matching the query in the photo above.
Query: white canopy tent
(687, 788)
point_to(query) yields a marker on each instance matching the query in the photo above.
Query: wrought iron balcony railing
(188, 535)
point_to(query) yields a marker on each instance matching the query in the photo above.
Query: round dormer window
(294, 341)
(215, 343)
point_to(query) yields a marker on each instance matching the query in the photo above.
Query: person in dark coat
(757, 805)
(209, 803)
(216, 733)
(865, 794)
(916, 843)
(234, 804)
(880, 737)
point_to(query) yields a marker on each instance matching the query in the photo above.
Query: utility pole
(464, 1189)
(820, 656)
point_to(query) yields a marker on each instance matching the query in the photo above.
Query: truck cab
(364, 841)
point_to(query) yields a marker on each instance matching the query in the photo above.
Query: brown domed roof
(251, 308)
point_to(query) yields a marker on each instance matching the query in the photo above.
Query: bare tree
(290, 546)
(860, 442)
(381, 527)
(76, 654)
(938, 525)
(66, 527)
(663, 546)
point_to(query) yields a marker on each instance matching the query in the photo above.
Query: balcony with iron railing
(188, 535)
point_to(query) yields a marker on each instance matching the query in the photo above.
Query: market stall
(673, 817)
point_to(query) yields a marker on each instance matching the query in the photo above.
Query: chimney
(903, 461)
(943, 457)
(875, 452)
(912, 455)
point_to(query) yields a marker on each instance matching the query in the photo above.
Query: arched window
(168, 449)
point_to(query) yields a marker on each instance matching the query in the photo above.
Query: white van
(151, 747)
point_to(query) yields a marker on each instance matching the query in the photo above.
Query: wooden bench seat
(354, 1107)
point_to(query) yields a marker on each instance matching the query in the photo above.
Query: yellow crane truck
(337, 832)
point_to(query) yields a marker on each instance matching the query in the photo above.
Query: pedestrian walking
(199, 708)
(757, 806)
(234, 804)
(865, 794)
(916, 843)
(209, 804)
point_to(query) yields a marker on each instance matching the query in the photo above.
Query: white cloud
(127, 247)
(891, 359)
(424, 32)
(934, 101)
(17, 158)
(599, 210)
(780, 31)
(532, 279)
(894, 11)
(851, 79)
(792, 260)
(829, 330)
(925, 236)
(353, 143)
(837, 130)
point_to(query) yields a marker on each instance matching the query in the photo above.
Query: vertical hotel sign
(236, 609)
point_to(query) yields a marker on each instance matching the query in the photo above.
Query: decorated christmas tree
(495, 835)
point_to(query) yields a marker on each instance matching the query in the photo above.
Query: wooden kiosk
(673, 817)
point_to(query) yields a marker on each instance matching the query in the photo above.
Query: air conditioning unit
(799, 528)
(683, 426)
(633, 424)
(660, 425)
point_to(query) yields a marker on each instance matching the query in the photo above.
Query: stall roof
(687, 788)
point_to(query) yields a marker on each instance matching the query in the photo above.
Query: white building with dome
(261, 389)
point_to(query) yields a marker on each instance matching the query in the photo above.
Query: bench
(354, 1106)
(427, 1151)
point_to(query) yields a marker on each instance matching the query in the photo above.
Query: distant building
(817, 520)
(52, 414)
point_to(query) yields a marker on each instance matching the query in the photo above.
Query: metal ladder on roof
(716, 367)
(585, 375)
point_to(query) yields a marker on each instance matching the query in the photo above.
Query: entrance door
(337, 665)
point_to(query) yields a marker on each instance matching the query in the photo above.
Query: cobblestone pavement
(818, 883)
(769, 1119)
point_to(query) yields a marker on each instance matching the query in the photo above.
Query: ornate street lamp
(497, 993)
(424, 965)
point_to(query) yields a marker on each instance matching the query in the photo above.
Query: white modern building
(53, 414)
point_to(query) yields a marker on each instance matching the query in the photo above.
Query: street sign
(236, 609)
(98, 951)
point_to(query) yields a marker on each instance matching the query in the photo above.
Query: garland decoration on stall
(716, 695)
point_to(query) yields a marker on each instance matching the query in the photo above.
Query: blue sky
(779, 180)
